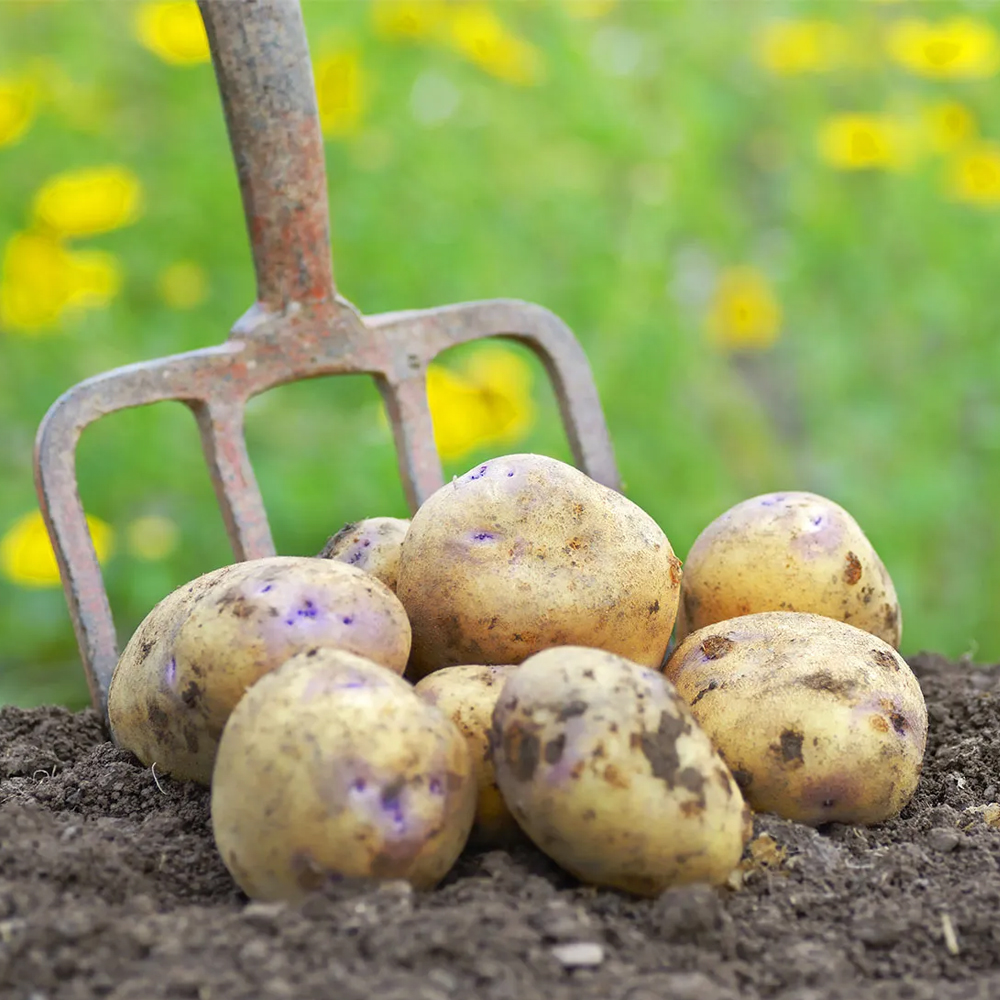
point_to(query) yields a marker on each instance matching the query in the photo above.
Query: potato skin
(790, 551)
(525, 552)
(332, 767)
(468, 695)
(169, 708)
(606, 770)
(819, 721)
(372, 544)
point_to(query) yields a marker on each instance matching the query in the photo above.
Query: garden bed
(110, 886)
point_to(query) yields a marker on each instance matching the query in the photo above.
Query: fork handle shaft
(262, 65)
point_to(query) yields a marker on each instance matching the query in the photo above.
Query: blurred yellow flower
(152, 537)
(183, 284)
(174, 31)
(26, 556)
(488, 402)
(408, 18)
(339, 92)
(744, 312)
(788, 47)
(947, 125)
(41, 280)
(18, 99)
(974, 176)
(589, 10)
(864, 142)
(479, 35)
(89, 201)
(961, 47)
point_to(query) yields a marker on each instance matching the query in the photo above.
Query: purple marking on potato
(818, 520)
(170, 674)
(480, 473)
(510, 473)
(358, 785)
(435, 787)
(482, 536)
(308, 610)
(266, 588)
(356, 558)
(367, 542)
(348, 619)
(392, 805)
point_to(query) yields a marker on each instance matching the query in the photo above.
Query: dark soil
(110, 886)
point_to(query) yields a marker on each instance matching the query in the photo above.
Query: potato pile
(530, 612)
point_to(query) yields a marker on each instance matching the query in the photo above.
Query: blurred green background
(773, 226)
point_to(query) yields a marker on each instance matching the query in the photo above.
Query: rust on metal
(298, 328)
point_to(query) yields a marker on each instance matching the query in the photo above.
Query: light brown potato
(372, 545)
(525, 552)
(468, 695)
(197, 653)
(332, 767)
(605, 768)
(819, 721)
(789, 551)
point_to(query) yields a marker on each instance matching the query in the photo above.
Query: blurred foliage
(774, 232)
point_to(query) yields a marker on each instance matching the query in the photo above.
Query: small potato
(606, 770)
(788, 552)
(372, 545)
(197, 653)
(332, 767)
(525, 552)
(468, 695)
(819, 721)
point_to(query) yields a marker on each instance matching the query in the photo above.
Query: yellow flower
(26, 556)
(339, 92)
(408, 18)
(788, 47)
(174, 31)
(947, 125)
(41, 280)
(479, 35)
(151, 537)
(961, 47)
(183, 284)
(589, 10)
(744, 311)
(17, 108)
(89, 201)
(864, 142)
(974, 177)
(487, 402)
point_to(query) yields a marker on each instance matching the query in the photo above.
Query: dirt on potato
(110, 886)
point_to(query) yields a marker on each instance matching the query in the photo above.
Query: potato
(468, 695)
(604, 767)
(332, 767)
(788, 552)
(195, 655)
(819, 721)
(526, 552)
(372, 545)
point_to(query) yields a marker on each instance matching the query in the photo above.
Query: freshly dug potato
(819, 721)
(372, 545)
(332, 767)
(788, 552)
(606, 770)
(197, 653)
(468, 695)
(526, 552)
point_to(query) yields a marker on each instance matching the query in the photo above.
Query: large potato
(372, 544)
(526, 552)
(788, 552)
(468, 695)
(197, 653)
(819, 721)
(605, 768)
(332, 767)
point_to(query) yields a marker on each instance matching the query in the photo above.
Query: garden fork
(299, 327)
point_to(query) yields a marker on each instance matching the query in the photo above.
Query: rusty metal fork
(298, 328)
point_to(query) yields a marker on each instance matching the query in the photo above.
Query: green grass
(598, 196)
